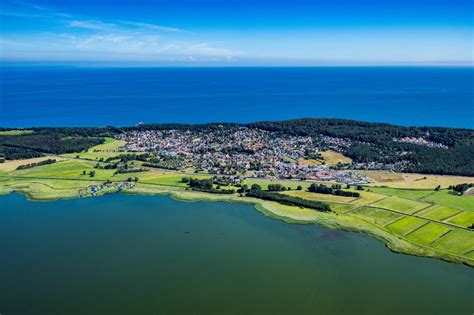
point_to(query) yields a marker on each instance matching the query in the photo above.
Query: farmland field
(70, 169)
(438, 212)
(400, 204)
(341, 208)
(415, 181)
(12, 165)
(405, 225)
(105, 150)
(414, 194)
(366, 198)
(464, 219)
(444, 197)
(377, 216)
(64, 169)
(457, 242)
(428, 233)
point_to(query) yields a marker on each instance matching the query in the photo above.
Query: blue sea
(81, 96)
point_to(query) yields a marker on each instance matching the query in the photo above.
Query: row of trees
(205, 185)
(256, 192)
(461, 188)
(323, 189)
(30, 165)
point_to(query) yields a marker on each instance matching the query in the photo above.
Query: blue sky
(258, 32)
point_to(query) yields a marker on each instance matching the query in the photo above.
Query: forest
(51, 141)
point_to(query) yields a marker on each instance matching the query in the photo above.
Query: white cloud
(6, 42)
(30, 5)
(151, 46)
(20, 14)
(94, 25)
(98, 25)
(130, 40)
(153, 27)
(106, 43)
(28, 10)
(207, 50)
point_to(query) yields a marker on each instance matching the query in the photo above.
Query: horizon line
(87, 64)
(234, 123)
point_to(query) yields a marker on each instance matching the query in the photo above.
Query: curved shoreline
(293, 215)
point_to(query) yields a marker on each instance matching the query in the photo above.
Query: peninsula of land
(410, 187)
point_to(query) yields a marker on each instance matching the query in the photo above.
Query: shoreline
(273, 210)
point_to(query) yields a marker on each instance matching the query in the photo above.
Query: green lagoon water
(120, 254)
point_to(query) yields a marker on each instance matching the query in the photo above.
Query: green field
(366, 198)
(341, 208)
(428, 233)
(414, 194)
(400, 204)
(15, 132)
(110, 148)
(405, 225)
(438, 212)
(444, 197)
(457, 242)
(464, 219)
(376, 216)
(469, 254)
(109, 144)
(64, 169)
(69, 169)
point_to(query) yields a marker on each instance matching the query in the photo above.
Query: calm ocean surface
(60, 96)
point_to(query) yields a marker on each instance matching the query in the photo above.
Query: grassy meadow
(15, 132)
(333, 158)
(439, 213)
(400, 204)
(110, 148)
(414, 194)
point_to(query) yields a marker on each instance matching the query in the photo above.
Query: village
(421, 141)
(242, 151)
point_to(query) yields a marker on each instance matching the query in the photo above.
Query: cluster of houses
(421, 141)
(250, 152)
